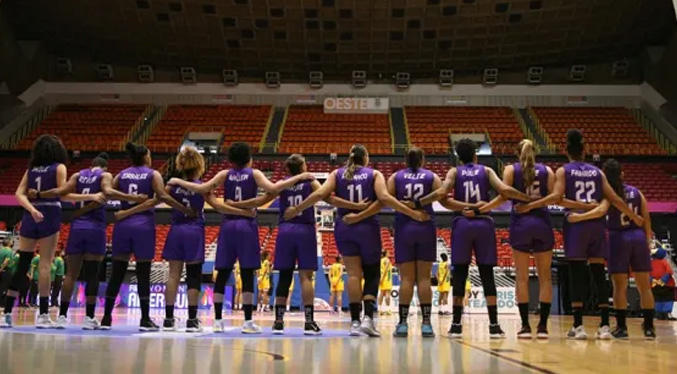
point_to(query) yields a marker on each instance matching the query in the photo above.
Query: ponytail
(414, 158)
(527, 158)
(136, 153)
(101, 160)
(358, 155)
(614, 175)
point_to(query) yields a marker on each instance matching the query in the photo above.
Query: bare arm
(66, 188)
(269, 186)
(503, 189)
(619, 203)
(598, 212)
(388, 200)
(203, 188)
(163, 195)
(372, 210)
(327, 188)
(22, 198)
(253, 203)
(647, 220)
(555, 196)
(109, 185)
(442, 191)
(224, 208)
(508, 180)
(146, 205)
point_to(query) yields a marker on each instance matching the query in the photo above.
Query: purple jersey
(360, 187)
(191, 200)
(293, 196)
(619, 221)
(538, 189)
(136, 180)
(89, 183)
(43, 178)
(239, 186)
(583, 182)
(412, 185)
(472, 183)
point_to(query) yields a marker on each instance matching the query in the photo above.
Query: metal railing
(11, 141)
(654, 131)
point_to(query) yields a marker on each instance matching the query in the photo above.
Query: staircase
(149, 122)
(530, 128)
(399, 131)
(274, 131)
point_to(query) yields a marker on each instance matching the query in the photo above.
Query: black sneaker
(620, 333)
(193, 325)
(649, 333)
(169, 324)
(147, 325)
(278, 328)
(524, 333)
(312, 328)
(495, 332)
(106, 322)
(456, 331)
(542, 332)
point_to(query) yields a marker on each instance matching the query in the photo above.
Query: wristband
(417, 204)
(38, 195)
(476, 210)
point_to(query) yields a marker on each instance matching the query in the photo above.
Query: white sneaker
(6, 320)
(603, 333)
(577, 333)
(61, 322)
(249, 327)
(369, 328)
(355, 329)
(44, 322)
(219, 326)
(91, 324)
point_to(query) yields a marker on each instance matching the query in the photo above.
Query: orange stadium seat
(429, 127)
(238, 123)
(607, 130)
(89, 127)
(309, 130)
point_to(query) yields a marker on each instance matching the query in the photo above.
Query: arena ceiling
(337, 36)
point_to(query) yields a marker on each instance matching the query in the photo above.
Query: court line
(505, 358)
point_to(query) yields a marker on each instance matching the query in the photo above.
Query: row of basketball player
(359, 194)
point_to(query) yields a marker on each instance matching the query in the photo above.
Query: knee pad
(19, 278)
(577, 280)
(221, 279)
(488, 282)
(247, 276)
(599, 277)
(143, 279)
(193, 275)
(460, 273)
(91, 272)
(372, 275)
(284, 283)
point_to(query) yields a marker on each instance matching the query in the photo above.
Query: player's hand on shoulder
(307, 176)
(173, 182)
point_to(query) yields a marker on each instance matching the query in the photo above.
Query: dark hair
(240, 154)
(444, 257)
(264, 255)
(338, 258)
(614, 174)
(47, 150)
(137, 153)
(414, 158)
(465, 150)
(295, 163)
(358, 156)
(384, 253)
(101, 160)
(7, 241)
(575, 146)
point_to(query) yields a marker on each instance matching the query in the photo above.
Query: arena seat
(90, 127)
(309, 130)
(242, 123)
(607, 130)
(429, 127)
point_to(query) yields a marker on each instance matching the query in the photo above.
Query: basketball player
(264, 282)
(471, 183)
(629, 250)
(6, 271)
(297, 243)
(336, 285)
(359, 242)
(584, 241)
(386, 283)
(444, 283)
(134, 233)
(239, 237)
(40, 223)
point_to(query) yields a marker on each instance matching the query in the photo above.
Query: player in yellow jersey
(237, 300)
(444, 284)
(386, 283)
(336, 284)
(264, 282)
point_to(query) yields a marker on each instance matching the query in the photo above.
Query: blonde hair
(527, 157)
(358, 155)
(190, 162)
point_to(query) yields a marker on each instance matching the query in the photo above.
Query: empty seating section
(309, 130)
(607, 130)
(89, 127)
(238, 123)
(429, 127)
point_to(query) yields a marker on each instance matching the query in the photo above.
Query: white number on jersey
(585, 188)
(355, 190)
(38, 181)
(238, 193)
(472, 191)
(413, 191)
(295, 201)
(133, 189)
(534, 190)
(85, 191)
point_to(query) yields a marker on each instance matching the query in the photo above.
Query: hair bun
(103, 155)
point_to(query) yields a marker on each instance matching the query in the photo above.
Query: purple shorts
(362, 239)
(238, 240)
(131, 237)
(86, 241)
(49, 226)
(415, 241)
(628, 250)
(296, 242)
(585, 240)
(186, 243)
(476, 234)
(531, 234)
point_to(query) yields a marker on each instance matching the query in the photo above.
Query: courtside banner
(505, 300)
(356, 105)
